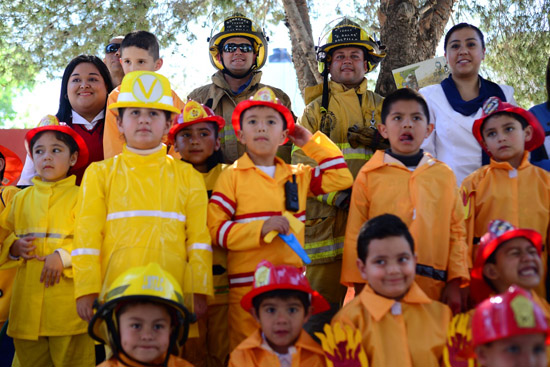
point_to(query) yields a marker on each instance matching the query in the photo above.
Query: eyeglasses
(232, 47)
(112, 47)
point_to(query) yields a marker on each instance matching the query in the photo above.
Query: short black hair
(167, 113)
(283, 294)
(513, 115)
(462, 26)
(65, 138)
(142, 39)
(285, 125)
(404, 94)
(380, 227)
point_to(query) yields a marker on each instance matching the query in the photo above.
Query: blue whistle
(294, 244)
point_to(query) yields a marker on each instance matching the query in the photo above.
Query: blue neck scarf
(467, 108)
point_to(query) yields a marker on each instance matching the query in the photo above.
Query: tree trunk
(411, 34)
(303, 50)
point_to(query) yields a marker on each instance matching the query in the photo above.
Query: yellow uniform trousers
(56, 351)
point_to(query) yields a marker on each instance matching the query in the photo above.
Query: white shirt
(452, 140)
(79, 120)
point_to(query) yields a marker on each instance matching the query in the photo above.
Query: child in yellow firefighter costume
(348, 113)
(419, 189)
(142, 318)
(195, 137)
(510, 330)
(142, 200)
(510, 187)
(506, 256)
(249, 199)
(400, 325)
(281, 300)
(10, 170)
(37, 236)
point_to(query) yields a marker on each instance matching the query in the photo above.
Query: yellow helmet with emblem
(149, 283)
(145, 89)
(238, 25)
(348, 33)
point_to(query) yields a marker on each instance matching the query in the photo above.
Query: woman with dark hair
(456, 102)
(85, 86)
(542, 113)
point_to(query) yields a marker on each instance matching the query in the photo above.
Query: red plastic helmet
(192, 113)
(269, 277)
(263, 97)
(499, 232)
(51, 123)
(12, 166)
(509, 314)
(494, 105)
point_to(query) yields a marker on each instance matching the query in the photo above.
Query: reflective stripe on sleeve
(85, 251)
(146, 213)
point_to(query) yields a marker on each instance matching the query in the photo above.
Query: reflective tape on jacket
(241, 279)
(45, 235)
(146, 213)
(325, 249)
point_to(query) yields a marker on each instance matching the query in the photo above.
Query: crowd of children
(166, 255)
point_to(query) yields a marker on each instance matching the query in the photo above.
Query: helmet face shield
(238, 25)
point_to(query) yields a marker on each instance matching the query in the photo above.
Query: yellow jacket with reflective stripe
(245, 197)
(6, 275)
(223, 104)
(136, 209)
(45, 211)
(326, 224)
(427, 201)
(521, 197)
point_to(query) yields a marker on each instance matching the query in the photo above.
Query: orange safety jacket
(252, 352)
(245, 197)
(406, 333)
(427, 200)
(498, 191)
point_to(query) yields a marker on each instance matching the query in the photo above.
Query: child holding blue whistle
(259, 197)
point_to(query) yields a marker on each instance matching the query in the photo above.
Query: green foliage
(518, 43)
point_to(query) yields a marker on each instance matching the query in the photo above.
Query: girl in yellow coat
(37, 232)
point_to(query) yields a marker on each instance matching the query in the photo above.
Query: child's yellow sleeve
(91, 214)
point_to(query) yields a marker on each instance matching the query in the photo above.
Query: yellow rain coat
(45, 211)
(427, 201)
(143, 207)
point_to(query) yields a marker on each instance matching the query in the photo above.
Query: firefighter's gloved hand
(342, 199)
(366, 136)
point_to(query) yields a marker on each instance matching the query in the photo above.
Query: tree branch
(305, 41)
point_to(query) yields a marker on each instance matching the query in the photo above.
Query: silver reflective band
(146, 213)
